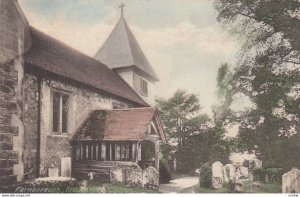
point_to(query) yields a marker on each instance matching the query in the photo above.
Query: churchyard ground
(266, 188)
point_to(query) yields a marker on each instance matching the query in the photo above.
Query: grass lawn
(116, 188)
(266, 188)
(94, 186)
(176, 175)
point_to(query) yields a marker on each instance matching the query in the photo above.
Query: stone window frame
(69, 94)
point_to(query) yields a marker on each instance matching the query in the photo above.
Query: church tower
(122, 53)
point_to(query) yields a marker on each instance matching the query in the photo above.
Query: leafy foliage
(50, 186)
(164, 171)
(274, 174)
(198, 141)
(268, 74)
(205, 175)
(178, 114)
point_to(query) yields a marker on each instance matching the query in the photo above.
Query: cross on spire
(122, 9)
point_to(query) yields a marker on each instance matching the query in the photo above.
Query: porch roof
(116, 125)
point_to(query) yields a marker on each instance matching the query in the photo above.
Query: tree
(268, 74)
(198, 141)
(179, 114)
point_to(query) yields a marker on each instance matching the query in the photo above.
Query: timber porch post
(103, 151)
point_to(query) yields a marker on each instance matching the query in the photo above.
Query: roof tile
(54, 56)
(116, 125)
(122, 50)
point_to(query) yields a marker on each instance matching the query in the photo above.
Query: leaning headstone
(230, 172)
(217, 175)
(258, 163)
(66, 166)
(151, 178)
(83, 186)
(291, 181)
(116, 174)
(242, 173)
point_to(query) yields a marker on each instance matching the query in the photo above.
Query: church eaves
(122, 50)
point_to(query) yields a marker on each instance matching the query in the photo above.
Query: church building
(60, 106)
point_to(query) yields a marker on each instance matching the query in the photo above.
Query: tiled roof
(54, 56)
(122, 50)
(116, 125)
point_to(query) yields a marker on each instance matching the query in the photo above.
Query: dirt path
(179, 184)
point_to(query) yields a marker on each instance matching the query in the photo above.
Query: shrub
(164, 172)
(49, 186)
(273, 174)
(205, 175)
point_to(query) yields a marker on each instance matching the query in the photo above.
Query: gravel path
(178, 184)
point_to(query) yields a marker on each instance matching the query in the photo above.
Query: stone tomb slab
(66, 166)
(217, 175)
(53, 172)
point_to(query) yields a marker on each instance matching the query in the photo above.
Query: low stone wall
(134, 176)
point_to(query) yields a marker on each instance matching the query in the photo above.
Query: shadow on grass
(266, 188)
(118, 188)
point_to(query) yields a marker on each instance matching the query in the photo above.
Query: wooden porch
(99, 156)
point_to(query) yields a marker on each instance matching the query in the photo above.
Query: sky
(182, 40)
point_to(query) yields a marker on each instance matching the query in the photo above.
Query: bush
(272, 175)
(49, 186)
(205, 175)
(164, 172)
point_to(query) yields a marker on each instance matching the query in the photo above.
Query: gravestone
(230, 172)
(53, 172)
(257, 163)
(91, 175)
(116, 174)
(151, 178)
(242, 173)
(83, 186)
(217, 175)
(225, 175)
(66, 166)
(291, 181)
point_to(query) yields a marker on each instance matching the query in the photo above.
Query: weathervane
(122, 9)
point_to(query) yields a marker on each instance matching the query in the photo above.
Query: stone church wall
(81, 102)
(13, 32)
(31, 114)
(8, 130)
